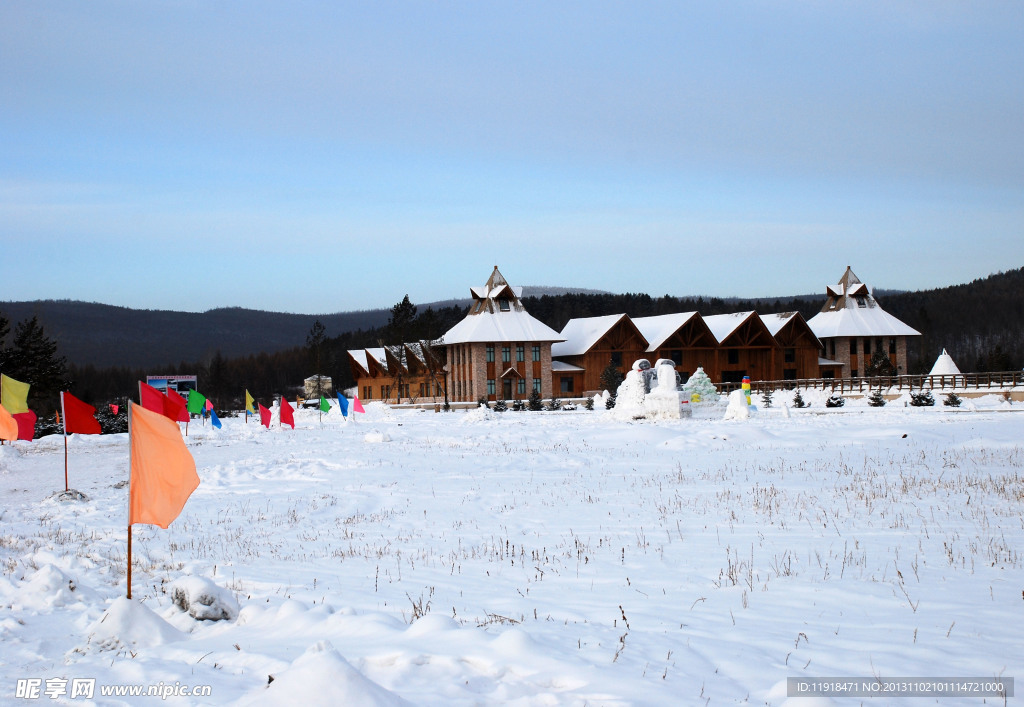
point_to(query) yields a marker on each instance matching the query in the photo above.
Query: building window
(677, 356)
(832, 346)
(567, 386)
(861, 302)
(422, 393)
(506, 354)
(733, 357)
(789, 374)
(853, 346)
(490, 353)
(536, 352)
(853, 373)
(520, 352)
(521, 387)
(503, 305)
(789, 355)
(892, 346)
(536, 385)
(867, 346)
(490, 386)
(617, 359)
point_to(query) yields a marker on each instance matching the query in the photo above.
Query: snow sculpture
(700, 385)
(738, 408)
(648, 393)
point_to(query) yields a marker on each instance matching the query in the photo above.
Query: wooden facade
(801, 349)
(619, 345)
(411, 373)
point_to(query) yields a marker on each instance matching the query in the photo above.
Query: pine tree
(835, 401)
(535, 402)
(798, 400)
(500, 406)
(876, 399)
(611, 378)
(923, 399)
(952, 400)
(33, 359)
(766, 397)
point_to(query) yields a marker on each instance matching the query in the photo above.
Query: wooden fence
(961, 381)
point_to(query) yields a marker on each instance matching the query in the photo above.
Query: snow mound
(128, 624)
(738, 408)
(48, 587)
(376, 437)
(68, 496)
(203, 600)
(321, 676)
(478, 414)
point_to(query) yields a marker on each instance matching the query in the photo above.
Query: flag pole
(64, 418)
(130, 497)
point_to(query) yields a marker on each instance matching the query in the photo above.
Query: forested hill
(981, 323)
(103, 335)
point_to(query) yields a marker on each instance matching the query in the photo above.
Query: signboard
(178, 384)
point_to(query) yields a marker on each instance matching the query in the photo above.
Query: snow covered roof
(873, 321)
(944, 366)
(359, 356)
(579, 335)
(775, 322)
(379, 355)
(723, 325)
(492, 320)
(563, 367)
(659, 328)
(851, 310)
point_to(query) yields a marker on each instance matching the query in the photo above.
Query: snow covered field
(530, 558)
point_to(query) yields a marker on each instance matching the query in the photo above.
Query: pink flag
(357, 406)
(113, 408)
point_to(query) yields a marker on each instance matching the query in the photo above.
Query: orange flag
(163, 472)
(8, 425)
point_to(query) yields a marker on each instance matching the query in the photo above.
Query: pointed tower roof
(851, 310)
(497, 314)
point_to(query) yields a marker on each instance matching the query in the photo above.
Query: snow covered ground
(529, 558)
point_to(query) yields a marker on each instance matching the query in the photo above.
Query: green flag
(324, 405)
(196, 402)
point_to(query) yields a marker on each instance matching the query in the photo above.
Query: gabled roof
(658, 329)
(359, 357)
(579, 335)
(777, 322)
(497, 315)
(723, 325)
(563, 367)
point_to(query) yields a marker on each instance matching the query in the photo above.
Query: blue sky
(328, 156)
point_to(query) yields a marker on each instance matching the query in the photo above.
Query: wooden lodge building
(500, 352)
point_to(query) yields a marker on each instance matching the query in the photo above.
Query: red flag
(163, 472)
(287, 413)
(113, 408)
(265, 417)
(79, 417)
(177, 405)
(26, 425)
(151, 398)
(357, 406)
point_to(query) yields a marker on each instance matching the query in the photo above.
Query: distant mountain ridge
(970, 319)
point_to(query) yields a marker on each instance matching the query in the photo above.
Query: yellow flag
(13, 395)
(8, 425)
(248, 404)
(163, 472)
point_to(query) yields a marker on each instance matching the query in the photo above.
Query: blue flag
(343, 403)
(214, 419)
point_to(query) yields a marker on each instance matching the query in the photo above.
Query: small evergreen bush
(534, 403)
(555, 404)
(835, 401)
(766, 398)
(500, 406)
(952, 400)
(923, 399)
(589, 404)
(518, 406)
(876, 399)
(798, 400)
